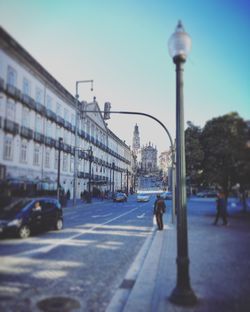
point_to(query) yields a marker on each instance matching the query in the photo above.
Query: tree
(194, 154)
(224, 141)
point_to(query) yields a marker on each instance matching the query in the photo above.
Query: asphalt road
(86, 261)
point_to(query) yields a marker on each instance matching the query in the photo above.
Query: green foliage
(219, 151)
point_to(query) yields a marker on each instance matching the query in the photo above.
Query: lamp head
(179, 44)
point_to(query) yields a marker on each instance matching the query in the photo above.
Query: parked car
(207, 194)
(143, 197)
(26, 215)
(166, 195)
(120, 197)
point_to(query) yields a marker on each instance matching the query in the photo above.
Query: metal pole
(76, 138)
(113, 185)
(58, 167)
(90, 174)
(76, 147)
(127, 181)
(182, 294)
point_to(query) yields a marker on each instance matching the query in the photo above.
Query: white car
(143, 197)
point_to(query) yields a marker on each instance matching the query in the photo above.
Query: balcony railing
(50, 114)
(13, 91)
(11, 126)
(26, 133)
(38, 137)
(28, 101)
(60, 120)
(40, 108)
(49, 141)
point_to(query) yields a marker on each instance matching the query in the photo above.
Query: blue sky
(122, 45)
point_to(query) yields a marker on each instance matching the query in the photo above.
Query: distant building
(165, 161)
(149, 159)
(136, 140)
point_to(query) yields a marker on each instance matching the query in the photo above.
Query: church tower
(136, 140)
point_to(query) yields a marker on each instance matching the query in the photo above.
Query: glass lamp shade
(179, 43)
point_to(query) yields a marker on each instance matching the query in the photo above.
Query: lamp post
(90, 158)
(76, 136)
(113, 185)
(60, 140)
(179, 45)
(127, 183)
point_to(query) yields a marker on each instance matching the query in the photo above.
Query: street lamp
(113, 185)
(77, 104)
(179, 45)
(60, 140)
(90, 158)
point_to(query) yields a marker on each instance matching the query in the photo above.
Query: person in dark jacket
(221, 205)
(159, 210)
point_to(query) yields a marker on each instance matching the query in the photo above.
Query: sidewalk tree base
(183, 297)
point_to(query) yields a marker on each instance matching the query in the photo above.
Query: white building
(35, 111)
(149, 158)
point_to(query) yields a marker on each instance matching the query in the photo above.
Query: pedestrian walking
(221, 206)
(159, 210)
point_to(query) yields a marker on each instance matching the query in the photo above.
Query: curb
(123, 293)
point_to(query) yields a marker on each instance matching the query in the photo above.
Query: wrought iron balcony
(28, 101)
(13, 91)
(11, 126)
(38, 137)
(26, 133)
(40, 108)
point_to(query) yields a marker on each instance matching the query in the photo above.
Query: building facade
(149, 158)
(35, 112)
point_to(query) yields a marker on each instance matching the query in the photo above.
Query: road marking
(141, 216)
(53, 246)
(102, 216)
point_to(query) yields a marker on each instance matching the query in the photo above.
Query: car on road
(143, 197)
(166, 195)
(207, 194)
(26, 215)
(120, 197)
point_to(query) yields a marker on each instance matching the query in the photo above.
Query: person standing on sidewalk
(159, 210)
(221, 205)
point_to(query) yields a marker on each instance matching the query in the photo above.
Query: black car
(22, 216)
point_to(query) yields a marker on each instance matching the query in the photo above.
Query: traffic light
(107, 107)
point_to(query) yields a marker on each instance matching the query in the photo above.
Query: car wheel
(59, 224)
(24, 231)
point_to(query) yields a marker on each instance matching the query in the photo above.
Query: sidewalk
(219, 265)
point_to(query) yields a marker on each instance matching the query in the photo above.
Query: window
(8, 148)
(66, 114)
(39, 95)
(47, 158)
(88, 127)
(72, 164)
(36, 159)
(73, 119)
(48, 129)
(56, 160)
(26, 86)
(24, 151)
(38, 124)
(66, 136)
(25, 117)
(58, 132)
(49, 102)
(92, 130)
(10, 109)
(65, 162)
(11, 76)
(58, 109)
